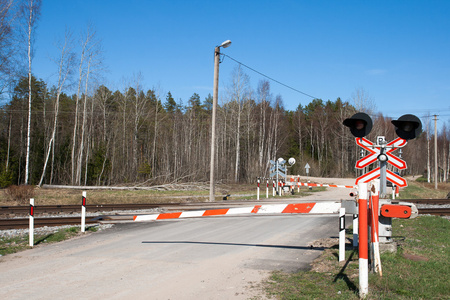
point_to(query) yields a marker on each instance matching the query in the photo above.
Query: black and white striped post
(342, 234)
(355, 230)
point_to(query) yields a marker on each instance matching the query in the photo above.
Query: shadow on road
(237, 244)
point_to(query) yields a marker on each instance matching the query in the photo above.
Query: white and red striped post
(342, 234)
(267, 189)
(31, 233)
(363, 241)
(83, 213)
(375, 204)
(257, 190)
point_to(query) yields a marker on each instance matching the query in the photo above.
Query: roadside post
(31, 231)
(267, 188)
(342, 234)
(273, 188)
(355, 230)
(257, 191)
(83, 212)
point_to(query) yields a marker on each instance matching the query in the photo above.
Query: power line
(285, 85)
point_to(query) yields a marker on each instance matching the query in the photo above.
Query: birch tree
(30, 12)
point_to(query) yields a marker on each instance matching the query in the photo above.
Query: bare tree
(90, 61)
(363, 102)
(238, 93)
(30, 10)
(264, 99)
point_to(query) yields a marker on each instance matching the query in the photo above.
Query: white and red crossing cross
(372, 157)
(375, 151)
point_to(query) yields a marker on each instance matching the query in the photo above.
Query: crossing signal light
(408, 127)
(360, 124)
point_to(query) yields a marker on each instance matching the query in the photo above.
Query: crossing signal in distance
(408, 127)
(360, 124)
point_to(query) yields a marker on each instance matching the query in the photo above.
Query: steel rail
(434, 211)
(23, 223)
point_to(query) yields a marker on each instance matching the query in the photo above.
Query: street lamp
(213, 118)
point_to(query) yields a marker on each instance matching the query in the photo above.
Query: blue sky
(397, 52)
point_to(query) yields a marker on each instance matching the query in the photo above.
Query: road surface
(200, 258)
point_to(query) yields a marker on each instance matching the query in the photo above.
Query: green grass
(420, 269)
(20, 243)
(424, 190)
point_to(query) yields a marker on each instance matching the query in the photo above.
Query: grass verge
(424, 190)
(9, 245)
(418, 270)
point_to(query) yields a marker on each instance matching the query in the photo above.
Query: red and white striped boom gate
(293, 208)
(296, 181)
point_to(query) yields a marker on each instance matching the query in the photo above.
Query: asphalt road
(201, 258)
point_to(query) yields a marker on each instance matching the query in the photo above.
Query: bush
(20, 194)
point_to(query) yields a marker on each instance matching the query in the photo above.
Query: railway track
(426, 201)
(435, 211)
(58, 209)
(16, 211)
(23, 223)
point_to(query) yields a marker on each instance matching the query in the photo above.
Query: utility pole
(213, 117)
(435, 154)
(213, 121)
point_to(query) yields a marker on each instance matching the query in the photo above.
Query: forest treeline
(77, 131)
(133, 137)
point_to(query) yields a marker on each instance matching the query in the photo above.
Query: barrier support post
(31, 232)
(342, 234)
(83, 213)
(363, 241)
